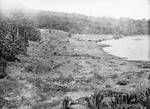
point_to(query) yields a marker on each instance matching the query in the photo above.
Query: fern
(95, 101)
(66, 104)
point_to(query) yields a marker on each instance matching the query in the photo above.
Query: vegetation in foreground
(115, 100)
(56, 64)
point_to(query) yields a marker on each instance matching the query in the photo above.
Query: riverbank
(131, 47)
(62, 66)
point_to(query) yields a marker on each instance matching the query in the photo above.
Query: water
(131, 47)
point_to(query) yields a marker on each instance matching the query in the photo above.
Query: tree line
(14, 39)
(74, 23)
(80, 24)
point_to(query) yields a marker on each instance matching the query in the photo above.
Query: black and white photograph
(74, 54)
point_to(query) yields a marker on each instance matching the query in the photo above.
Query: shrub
(145, 101)
(34, 34)
(95, 101)
(66, 104)
(12, 40)
(42, 68)
(114, 76)
(3, 102)
(122, 82)
(99, 77)
(29, 68)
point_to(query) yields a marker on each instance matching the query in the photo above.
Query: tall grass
(117, 100)
(95, 101)
(66, 104)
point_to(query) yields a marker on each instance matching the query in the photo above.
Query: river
(130, 47)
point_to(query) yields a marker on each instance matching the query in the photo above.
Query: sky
(136, 9)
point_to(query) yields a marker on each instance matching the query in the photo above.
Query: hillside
(80, 24)
(51, 60)
(60, 66)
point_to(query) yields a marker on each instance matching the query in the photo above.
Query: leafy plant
(145, 101)
(66, 104)
(95, 101)
(122, 82)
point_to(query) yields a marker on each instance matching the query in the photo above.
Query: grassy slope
(60, 66)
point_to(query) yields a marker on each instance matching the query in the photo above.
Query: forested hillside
(83, 24)
(75, 23)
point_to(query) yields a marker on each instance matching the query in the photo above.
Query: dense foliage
(14, 37)
(108, 99)
(91, 25)
(75, 23)
(14, 40)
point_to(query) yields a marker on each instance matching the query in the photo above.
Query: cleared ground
(60, 66)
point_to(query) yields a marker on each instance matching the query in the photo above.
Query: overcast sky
(136, 9)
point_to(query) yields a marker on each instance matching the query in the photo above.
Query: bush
(29, 68)
(42, 68)
(122, 82)
(66, 103)
(34, 34)
(146, 98)
(3, 102)
(10, 43)
(95, 101)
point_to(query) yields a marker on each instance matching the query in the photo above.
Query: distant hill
(76, 23)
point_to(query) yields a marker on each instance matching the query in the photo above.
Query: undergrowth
(115, 100)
